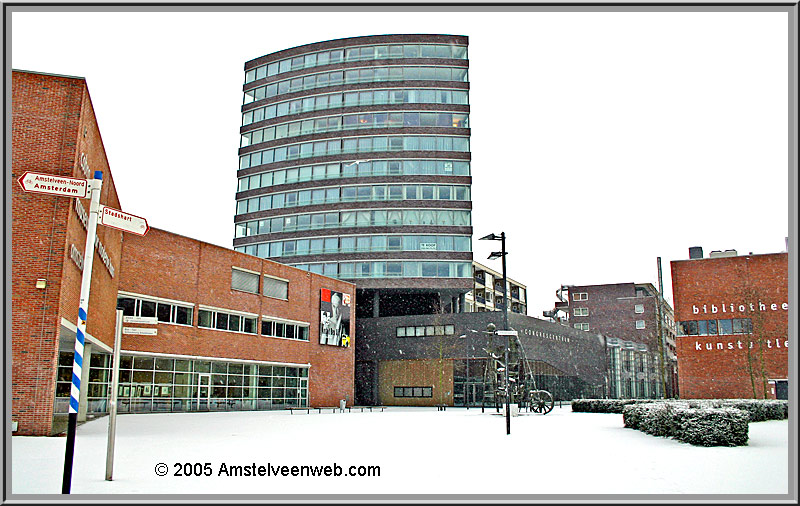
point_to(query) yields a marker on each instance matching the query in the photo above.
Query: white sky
(429, 452)
(600, 140)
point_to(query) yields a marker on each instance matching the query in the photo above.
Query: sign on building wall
(334, 318)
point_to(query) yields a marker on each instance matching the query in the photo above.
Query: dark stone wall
(572, 353)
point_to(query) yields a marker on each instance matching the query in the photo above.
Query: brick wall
(52, 124)
(167, 265)
(54, 131)
(717, 366)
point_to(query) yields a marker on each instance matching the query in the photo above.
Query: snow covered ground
(419, 451)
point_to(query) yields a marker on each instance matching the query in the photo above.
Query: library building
(732, 315)
(204, 327)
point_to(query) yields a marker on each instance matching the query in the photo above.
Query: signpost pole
(112, 408)
(77, 363)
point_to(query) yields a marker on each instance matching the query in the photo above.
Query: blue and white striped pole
(77, 363)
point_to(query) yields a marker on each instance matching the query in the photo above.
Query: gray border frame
(790, 7)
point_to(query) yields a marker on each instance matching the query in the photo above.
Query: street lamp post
(502, 254)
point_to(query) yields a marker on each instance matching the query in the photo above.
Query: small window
(639, 324)
(581, 326)
(276, 288)
(205, 318)
(581, 311)
(638, 308)
(580, 296)
(244, 281)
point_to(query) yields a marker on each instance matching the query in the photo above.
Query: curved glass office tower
(354, 163)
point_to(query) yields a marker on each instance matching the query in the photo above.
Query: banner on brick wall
(334, 318)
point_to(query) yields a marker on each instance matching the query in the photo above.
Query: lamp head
(490, 237)
(491, 327)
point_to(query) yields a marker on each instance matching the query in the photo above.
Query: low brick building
(233, 331)
(732, 312)
(425, 360)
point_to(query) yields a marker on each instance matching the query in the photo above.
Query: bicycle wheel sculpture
(541, 401)
(521, 387)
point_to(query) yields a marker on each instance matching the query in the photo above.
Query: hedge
(757, 409)
(602, 405)
(702, 422)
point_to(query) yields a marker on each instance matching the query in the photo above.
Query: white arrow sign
(54, 185)
(115, 218)
(140, 319)
(139, 331)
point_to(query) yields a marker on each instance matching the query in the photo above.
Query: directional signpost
(54, 185)
(50, 184)
(120, 220)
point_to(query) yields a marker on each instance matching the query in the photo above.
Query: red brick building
(234, 331)
(639, 334)
(732, 314)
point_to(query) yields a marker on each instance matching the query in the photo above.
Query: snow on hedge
(701, 422)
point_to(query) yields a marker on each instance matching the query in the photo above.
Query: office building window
(285, 330)
(413, 391)
(244, 281)
(166, 311)
(221, 320)
(276, 288)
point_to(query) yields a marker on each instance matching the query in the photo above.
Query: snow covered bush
(760, 410)
(702, 422)
(656, 418)
(601, 405)
(711, 426)
(698, 423)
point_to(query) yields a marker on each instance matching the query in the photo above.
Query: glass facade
(334, 171)
(353, 122)
(173, 384)
(346, 219)
(328, 118)
(356, 53)
(355, 145)
(322, 80)
(631, 371)
(355, 98)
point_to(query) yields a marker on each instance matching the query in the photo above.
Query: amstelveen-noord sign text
(54, 185)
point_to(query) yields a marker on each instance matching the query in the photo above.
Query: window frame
(246, 272)
(138, 299)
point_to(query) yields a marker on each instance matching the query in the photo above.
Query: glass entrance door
(203, 391)
(474, 394)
